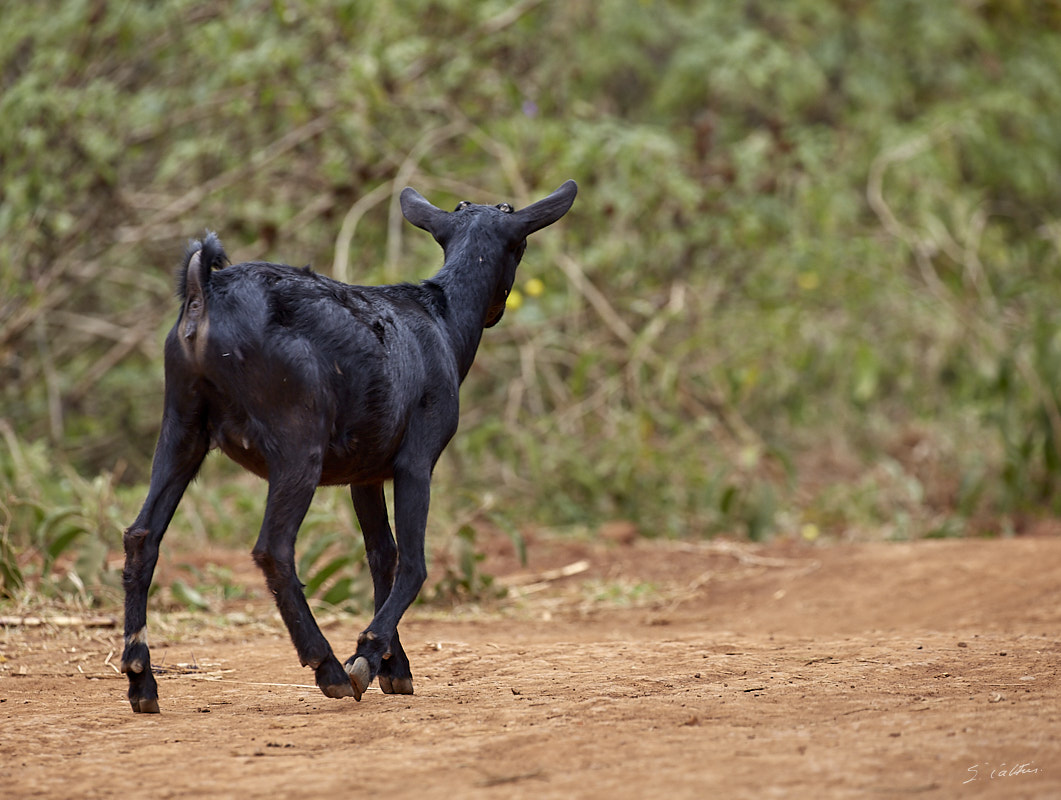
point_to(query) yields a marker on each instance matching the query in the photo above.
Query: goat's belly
(337, 470)
(246, 456)
(340, 472)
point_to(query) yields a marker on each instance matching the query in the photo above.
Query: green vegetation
(810, 282)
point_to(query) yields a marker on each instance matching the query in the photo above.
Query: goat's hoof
(338, 690)
(144, 705)
(360, 675)
(332, 680)
(395, 685)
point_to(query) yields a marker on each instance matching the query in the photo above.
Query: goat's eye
(505, 207)
(463, 204)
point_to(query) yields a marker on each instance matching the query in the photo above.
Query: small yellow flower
(809, 531)
(515, 300)
(534, 287)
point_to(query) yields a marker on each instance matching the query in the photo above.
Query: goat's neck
(469, 281)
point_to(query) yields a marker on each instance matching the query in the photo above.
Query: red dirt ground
(673, 670)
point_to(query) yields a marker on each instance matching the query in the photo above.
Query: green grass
(809, 280)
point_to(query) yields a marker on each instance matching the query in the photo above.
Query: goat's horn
(419, 211)
(548, 210)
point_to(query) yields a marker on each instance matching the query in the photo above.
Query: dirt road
(927, 669)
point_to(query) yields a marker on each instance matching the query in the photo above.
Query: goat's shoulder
(424, 300)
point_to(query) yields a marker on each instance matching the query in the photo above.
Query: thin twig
(429, 140)
(58, 622)
(574, 272)
(193, 197)
(528, 583)
(508, 17)
(109, 360)
(341, 259)
(107, 662)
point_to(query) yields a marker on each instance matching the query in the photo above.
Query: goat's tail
(200, 259)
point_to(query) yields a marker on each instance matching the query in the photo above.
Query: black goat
(306, 381)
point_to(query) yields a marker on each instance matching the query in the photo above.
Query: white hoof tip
(360, 675)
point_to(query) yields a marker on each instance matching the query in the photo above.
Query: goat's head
(497, 234)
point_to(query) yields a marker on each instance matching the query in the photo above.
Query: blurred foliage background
(809, 286)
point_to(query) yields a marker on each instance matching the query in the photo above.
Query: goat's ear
(422, 214)
(547, 211)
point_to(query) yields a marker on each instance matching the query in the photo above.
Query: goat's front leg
(290, 494)
(379, 641)
(395, 675)
(182, 446)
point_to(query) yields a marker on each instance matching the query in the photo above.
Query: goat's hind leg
(182, 446)
(290, 494)
(395, 675)
(378, 643)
